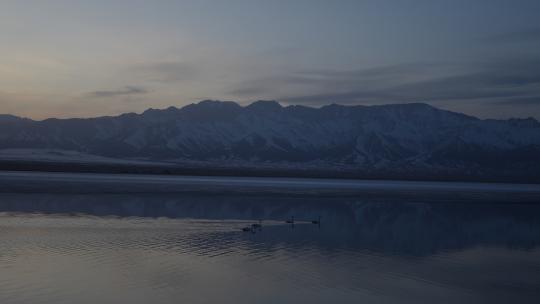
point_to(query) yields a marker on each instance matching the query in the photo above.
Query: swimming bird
(317, 221)
(246, 229)
(257, 226)
(291, 221)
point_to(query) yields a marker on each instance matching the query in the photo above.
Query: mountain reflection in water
(191, 248)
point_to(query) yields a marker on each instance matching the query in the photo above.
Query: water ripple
(66, 258)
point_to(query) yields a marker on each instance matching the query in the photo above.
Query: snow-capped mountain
(390, 139)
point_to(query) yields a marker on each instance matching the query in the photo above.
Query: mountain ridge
(4, 116)
(394, 140)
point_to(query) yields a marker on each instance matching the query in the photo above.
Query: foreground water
(67, 248)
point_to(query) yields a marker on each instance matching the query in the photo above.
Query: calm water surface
(190, 249)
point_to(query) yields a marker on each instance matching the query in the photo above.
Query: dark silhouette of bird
(291, 221)
(317, 221)
(257, 226)
(246, 229)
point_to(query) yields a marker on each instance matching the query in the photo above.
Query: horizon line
(246, 105)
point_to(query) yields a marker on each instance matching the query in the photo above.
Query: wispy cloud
(248, 91)
(508, 80)
(125, 91)
(325, 81)
(165, 72)
(522, 101)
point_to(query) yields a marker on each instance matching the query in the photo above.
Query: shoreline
(96, 183)
(140, 167)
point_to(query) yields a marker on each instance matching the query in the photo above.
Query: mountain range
(398, 141)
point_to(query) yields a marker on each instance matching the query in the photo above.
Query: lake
(190, 248)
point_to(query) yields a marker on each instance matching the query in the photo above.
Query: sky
(91, 58)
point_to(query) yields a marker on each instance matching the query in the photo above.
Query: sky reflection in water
(169, 249)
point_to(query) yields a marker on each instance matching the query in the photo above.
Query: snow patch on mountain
(400, 137)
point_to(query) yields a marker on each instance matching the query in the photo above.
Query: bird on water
(257, 226)
(291, 221)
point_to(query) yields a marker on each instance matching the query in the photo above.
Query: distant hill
(399, 141)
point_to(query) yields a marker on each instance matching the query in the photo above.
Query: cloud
(165, 72)
(523, 101)
(125, 91)
(247, 91)
(320, 83)
(504, 80)
(466, 87)
(388, 71)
